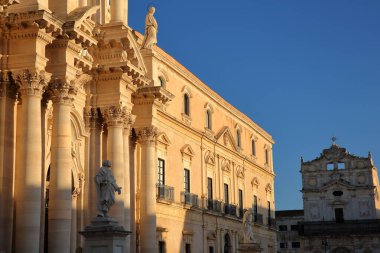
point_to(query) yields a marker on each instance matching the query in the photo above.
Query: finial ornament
(151, 29)
(334, 140)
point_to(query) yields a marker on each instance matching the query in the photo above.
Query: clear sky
(303, 70)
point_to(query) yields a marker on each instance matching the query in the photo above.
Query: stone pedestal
(249, 248)
(104, 235)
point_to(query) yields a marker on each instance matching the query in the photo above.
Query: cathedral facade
(79, 86)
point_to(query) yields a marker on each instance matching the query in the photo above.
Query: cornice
(148, 93)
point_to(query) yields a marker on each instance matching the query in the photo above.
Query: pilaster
(60, 192)
(7, 157)
(148, 241)
(28, 163)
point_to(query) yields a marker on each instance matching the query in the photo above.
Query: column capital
(93, 118)
(147, 134)
(8, 87)
(63, 91)
(116, 115)
(32, 82)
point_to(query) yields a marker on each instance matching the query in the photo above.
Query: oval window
(337, 193)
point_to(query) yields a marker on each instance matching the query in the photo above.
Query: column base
(104, 235)
(249, 247)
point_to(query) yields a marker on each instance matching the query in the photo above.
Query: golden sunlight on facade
(79, 86)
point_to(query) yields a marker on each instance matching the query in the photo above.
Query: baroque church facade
(341, 206)
(77, 88)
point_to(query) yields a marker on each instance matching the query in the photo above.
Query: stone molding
(63, 91)
(147, 134)
(117, 116)
(93, 118)
(32, 82)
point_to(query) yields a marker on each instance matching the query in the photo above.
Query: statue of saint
(248, 226)
(151, 29)
(106, 187)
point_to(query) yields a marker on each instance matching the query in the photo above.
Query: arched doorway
(227, 244)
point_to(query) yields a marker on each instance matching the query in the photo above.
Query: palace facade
(76, 88)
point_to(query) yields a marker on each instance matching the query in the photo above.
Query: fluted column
(28, 165)
(115, 117)
(95, 157)
(7, 145)
(60, 192)
(148, 240)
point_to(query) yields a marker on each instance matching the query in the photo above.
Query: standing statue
(106, 187)
(151, 29)
(248, 226)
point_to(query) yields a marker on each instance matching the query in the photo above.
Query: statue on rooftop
(151, 29)
(248, 226)
(106, 187)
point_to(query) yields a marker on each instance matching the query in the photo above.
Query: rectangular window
(161, 247)
(339, 217)
(240, 198)
(187, 248)
(283, 245)
(269, 211)
(209, 188)
(296, 245)
(211, 249)
(161, 171)
(282, 228)
(266, 156)
(186, 180)
(294, 227)
(226, 196)
(255, 208)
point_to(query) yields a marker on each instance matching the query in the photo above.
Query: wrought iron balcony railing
(165, 192)
(189, 199)
(214, 205)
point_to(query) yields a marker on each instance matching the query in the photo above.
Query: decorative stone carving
(93, 118)
(63, 91)
(32, 83)
(8, 86)
(4, 4)
(151, 29)
(106, 187)
(115, 115)
(147, 134)
(248, 236)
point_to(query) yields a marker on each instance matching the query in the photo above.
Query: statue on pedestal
(248, 226)
(106, 187)
(151, 29)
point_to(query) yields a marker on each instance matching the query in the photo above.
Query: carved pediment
(163, 139)
(240, 172)
(268, 188)
(209, 158)
(255, 182)
(225, 137)
(226, 165)
(188, 151)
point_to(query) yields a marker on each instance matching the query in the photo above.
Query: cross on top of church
(334, 140)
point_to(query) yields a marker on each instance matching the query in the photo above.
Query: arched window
(186, 104)
(253, 143)
(266, 156)
(208, 119)
(238, 138)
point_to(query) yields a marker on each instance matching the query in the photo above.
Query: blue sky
(303, 70)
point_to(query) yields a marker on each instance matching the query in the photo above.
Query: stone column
(60, 192)
(7, 159)
(118, 11)
(132, 149)
(95, 157)
(148, 240)
(127, 180)
(115, 117)
(28, 192)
